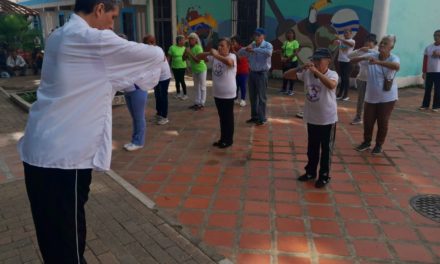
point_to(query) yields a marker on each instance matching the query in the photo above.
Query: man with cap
(320, 113)
(259, 54)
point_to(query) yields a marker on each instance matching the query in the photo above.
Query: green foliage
(29, 97)
(15, 32)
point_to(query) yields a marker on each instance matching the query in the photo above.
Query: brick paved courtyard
(244, 201)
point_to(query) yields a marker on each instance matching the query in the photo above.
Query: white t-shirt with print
(433, 62)
(344, 50)
(223, 78)
(320, 107)
(374, 93)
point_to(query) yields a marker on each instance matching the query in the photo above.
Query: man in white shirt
(320, 114)
(16, 63)
(68, 133)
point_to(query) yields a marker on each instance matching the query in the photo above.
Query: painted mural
(206, 20)
(316, 22)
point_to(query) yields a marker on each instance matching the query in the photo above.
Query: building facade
(54, 13)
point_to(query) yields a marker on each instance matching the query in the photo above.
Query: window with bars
(163, 23)
(245, 18)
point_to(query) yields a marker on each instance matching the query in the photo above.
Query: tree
(16, 33)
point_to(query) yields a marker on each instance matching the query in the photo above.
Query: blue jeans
(241, 80)
(161, 95)
(136, 101)
(257, 95)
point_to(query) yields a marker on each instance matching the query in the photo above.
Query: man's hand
(249, 48)
(424, 76)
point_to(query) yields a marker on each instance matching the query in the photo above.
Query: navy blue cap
(321, 53)
(260, 31)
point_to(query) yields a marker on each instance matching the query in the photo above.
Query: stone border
(14, 96)
(209, 251)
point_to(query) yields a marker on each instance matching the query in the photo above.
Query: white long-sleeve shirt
(70, 125)
(18, 61)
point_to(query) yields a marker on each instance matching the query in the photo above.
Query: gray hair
(194, 35)
(392, 38)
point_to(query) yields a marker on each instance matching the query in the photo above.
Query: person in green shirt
(289, 58)
(177, 56)
(199, 70)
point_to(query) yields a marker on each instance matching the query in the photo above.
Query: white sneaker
(356, 121)
(178, 95)
(155, 118)
(126, 145)
(346, 98)
(163, 121)
(132, 147)
(237, 101)
(184, 97)
(242, 103)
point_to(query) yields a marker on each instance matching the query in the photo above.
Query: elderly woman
(381, 92)
(224, 69)
(199, 69)
(320, 114)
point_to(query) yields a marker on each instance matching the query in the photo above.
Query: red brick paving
(244, 201)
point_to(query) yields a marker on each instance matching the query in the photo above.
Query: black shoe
(363, 146)
(194, 107)
(322, 181)
(252, 120)
(217, 143)
(198, 107)
(223, 145)
(306, 177)
(260, 123)
(376, 150)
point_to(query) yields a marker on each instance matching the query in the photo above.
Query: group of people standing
(377, 90)
(233, 67)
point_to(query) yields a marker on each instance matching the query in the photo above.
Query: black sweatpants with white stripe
(321, 140)
(57, 199)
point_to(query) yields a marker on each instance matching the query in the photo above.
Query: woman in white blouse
(224, 69)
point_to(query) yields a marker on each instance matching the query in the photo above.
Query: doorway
(163, 23)
(128, 23)
(246, 15)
